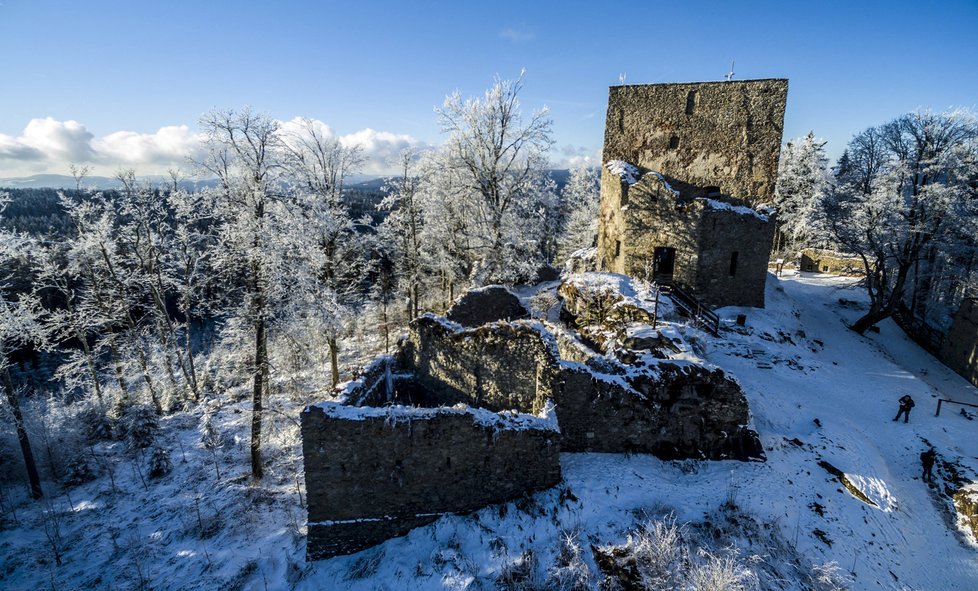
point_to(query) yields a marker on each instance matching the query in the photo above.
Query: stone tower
(687, 169)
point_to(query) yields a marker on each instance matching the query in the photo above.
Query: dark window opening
(674, 142)
(663, 263)
(617, 247)
(624, 195)
(690, 102)
(713, 192)
(733, 263)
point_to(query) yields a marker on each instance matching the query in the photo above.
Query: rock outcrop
(487, 304)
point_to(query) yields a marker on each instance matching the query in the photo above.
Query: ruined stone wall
(704, 236)
(814, 260)
(668, 410)
(628, 235)
(720, 281)
(658, 218)
(498, 366)
(672, 412)
(725, 134)
(375, 473)
(960, 349)
(611, 222)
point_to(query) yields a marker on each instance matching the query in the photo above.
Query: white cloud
(62, 140)
(49, 145)
(380, 148)
(168, 146)
(300, 126)
(571, 156)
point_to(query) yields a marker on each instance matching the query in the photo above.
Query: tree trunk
(25, 443)
(870, 318)
(117, 366)
(188, 351)
(90, 361)
(334, 364)
(883, 305)
(260, 369)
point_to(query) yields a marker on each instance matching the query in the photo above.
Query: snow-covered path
(850, 385)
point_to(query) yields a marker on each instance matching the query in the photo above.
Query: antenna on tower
(730, 74)
(621, 78)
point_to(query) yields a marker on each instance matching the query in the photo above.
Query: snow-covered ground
(818, 392)
(836, 393)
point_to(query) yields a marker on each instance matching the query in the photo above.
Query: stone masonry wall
(960, 349)
(375, 473)
(498, 367)
(674, 412)
(666, 409)
(652, 217)
(722, 233)
(814, 260)
(725, 134)
(704, 236)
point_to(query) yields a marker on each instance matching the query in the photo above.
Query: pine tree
(802, 182)
(580, 199)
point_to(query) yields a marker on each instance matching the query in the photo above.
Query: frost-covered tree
(402, 230)
(802, 183)
(492, 171)
(145, 233)
(187, 264)
(112, 293)
(244, 152)
(580, 199)
(59, 276)
(908, 185)
(332, 259)
(18, 327)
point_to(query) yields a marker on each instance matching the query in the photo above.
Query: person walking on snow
(906, 403)
(927, 461)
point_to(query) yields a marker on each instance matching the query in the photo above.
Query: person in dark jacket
(906, 403)
(927, 461)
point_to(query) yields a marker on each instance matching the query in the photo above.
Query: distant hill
(361, 183)
(63, 181)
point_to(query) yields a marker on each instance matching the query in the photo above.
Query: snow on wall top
(740, 209)
(628, 173)
(510, 420)
(377, 370)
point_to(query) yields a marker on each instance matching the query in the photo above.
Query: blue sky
(124, 83)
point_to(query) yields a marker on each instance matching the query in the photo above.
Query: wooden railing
(695, 309)
(940, 401)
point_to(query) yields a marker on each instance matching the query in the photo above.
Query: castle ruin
(467, 416)
(687, 171)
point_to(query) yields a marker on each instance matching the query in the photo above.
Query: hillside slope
(818, 393)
